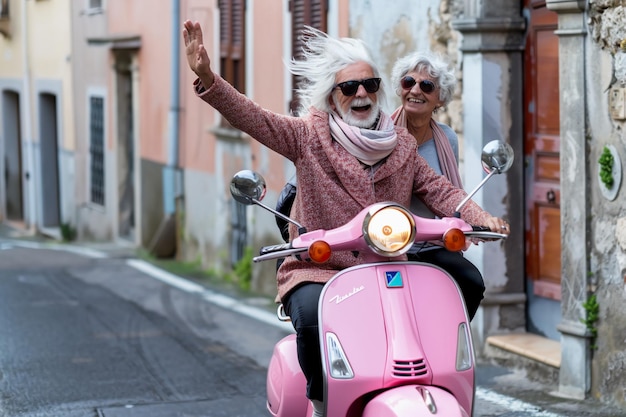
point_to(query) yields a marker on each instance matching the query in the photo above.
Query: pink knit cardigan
(332, 184)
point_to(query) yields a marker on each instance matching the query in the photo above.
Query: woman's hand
(197, 56)
(498, 225)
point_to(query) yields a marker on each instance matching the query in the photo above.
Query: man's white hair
(323, 58)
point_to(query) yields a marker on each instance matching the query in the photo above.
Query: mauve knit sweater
(333, 186)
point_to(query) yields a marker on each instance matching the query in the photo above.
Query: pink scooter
(395, 336)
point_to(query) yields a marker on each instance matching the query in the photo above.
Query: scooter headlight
(389, 230)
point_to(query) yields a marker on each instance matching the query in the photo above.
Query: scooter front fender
(286, 385)
(414, 401)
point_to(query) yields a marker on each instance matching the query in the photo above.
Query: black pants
(301, 305)
(463, 271)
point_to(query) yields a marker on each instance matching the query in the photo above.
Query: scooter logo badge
(394, 279)
(339, 298)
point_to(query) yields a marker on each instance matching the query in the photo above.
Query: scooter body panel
(412, 401)
(398, 324)
(286, 384)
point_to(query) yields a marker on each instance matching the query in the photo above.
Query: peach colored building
(38, 134)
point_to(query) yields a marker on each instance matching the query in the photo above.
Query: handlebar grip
(487, 235)
(274, 248)
(481, 229)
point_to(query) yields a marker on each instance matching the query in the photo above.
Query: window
(93, 7)
(310, 13)
(96, 149)
(232, 42)
(5, 22)
(4, 9)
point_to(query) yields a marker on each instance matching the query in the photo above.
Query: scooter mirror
(497, 156)
(247, 187)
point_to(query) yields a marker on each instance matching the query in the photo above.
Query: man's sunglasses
(349, 88)
(426, 86)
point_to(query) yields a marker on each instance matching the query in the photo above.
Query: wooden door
(13, 172)
(541, 152)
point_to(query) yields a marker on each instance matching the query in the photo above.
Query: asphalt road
(83, 335)
(96, 337)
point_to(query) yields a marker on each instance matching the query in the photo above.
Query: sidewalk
(120, 249)
(8, 231)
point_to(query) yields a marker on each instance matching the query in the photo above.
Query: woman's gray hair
(432, 64)
(323, 57)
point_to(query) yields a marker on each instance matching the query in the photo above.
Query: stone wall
(607, 30)
(393, 32)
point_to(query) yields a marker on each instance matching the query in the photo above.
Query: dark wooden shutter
(304, 12)
(232, 42)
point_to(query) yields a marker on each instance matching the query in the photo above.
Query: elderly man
(348, 154)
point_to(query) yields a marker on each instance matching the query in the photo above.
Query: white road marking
(512, 404)
(210, 296)
(79, 250)
(164, 276)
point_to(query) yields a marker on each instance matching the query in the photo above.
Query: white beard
(352, 120)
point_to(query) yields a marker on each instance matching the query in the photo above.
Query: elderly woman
(425, 83)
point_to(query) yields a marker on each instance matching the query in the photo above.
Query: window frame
(91, 152)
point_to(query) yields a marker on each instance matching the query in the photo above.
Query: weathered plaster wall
(393, 32)
(607, 71)
(93, 222)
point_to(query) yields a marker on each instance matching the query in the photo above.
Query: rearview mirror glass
(497, 156)
(247, 186)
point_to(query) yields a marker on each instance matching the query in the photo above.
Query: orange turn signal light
(454, 240)
(319, 251)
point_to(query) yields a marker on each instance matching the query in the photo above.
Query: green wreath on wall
(609, 172)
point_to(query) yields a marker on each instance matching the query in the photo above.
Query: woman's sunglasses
(349, 88)
(426, 86)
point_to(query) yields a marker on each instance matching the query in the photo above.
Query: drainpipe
(28, 131)
(164, 243)
(170, 171)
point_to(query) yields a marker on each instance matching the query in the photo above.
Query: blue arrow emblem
(394, 279)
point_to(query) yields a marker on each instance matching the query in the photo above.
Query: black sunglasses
(426, 86)
(349, 88)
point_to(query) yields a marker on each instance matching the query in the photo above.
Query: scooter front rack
(280, 313)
